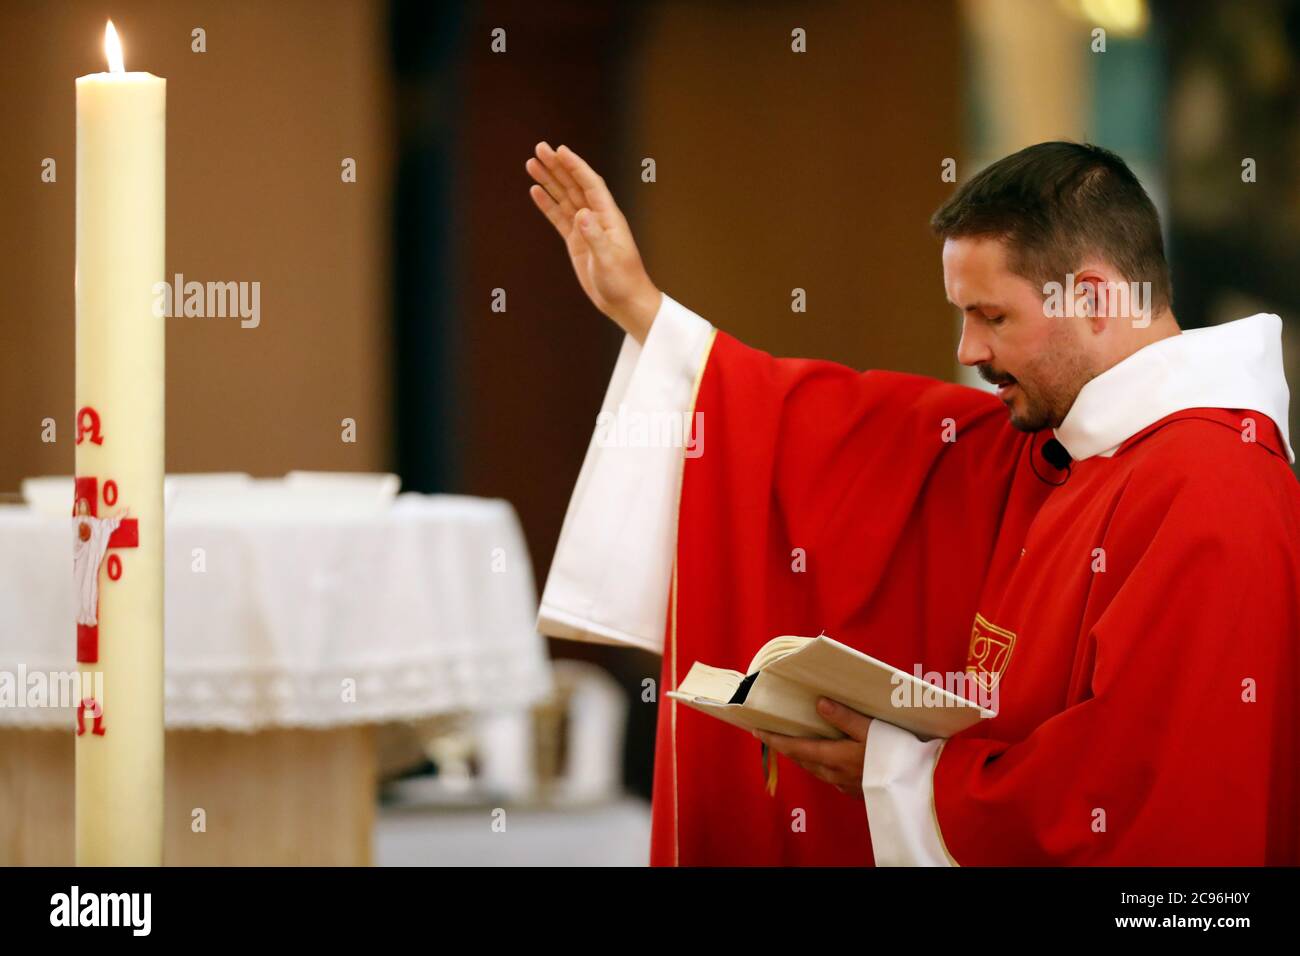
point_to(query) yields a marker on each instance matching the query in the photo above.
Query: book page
(775, 649)
(857, 680)
(711, 683)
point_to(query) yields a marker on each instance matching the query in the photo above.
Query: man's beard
(1034, 418)
(1034, 415)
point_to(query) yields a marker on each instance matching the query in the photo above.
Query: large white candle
(118, 513)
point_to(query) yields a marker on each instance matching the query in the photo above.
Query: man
(1111, 545)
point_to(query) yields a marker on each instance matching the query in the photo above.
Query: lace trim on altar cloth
(243, 699)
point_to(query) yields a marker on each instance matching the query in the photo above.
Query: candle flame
(113, 49)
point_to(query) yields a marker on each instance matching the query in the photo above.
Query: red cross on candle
(126, 535)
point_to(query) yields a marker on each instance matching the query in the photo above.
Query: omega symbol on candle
(96, 714)
(93, 538)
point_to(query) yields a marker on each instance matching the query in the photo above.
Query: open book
(779, 691)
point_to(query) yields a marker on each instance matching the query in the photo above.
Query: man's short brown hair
(1054, 204)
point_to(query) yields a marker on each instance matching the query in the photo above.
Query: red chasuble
(1138, 616)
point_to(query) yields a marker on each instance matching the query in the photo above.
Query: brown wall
(775, 170)
(819, 171)
(531, 379)
(257, 128)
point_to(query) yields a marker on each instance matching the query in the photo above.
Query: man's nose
(972, 350)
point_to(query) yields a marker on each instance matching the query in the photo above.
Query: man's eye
(995, 319)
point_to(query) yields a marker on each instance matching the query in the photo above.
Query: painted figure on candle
(92, 539)
(89, 546)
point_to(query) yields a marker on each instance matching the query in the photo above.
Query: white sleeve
(898, 784)
(610, 576)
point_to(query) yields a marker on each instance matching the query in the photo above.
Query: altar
(302, 615)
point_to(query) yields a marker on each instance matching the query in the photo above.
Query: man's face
(1038, 362)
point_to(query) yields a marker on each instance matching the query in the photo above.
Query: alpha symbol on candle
(92, 537)
(113, 49)
(88, 422)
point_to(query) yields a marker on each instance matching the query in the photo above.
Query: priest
(1110, 545)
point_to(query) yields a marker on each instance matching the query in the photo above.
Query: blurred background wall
(257, 129)
(774, 171)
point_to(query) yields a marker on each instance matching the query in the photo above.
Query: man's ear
(1091, 298)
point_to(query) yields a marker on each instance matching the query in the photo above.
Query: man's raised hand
(600, 244)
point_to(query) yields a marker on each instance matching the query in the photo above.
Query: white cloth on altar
(283, 616)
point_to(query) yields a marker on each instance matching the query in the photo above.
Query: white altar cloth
(425, 603)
